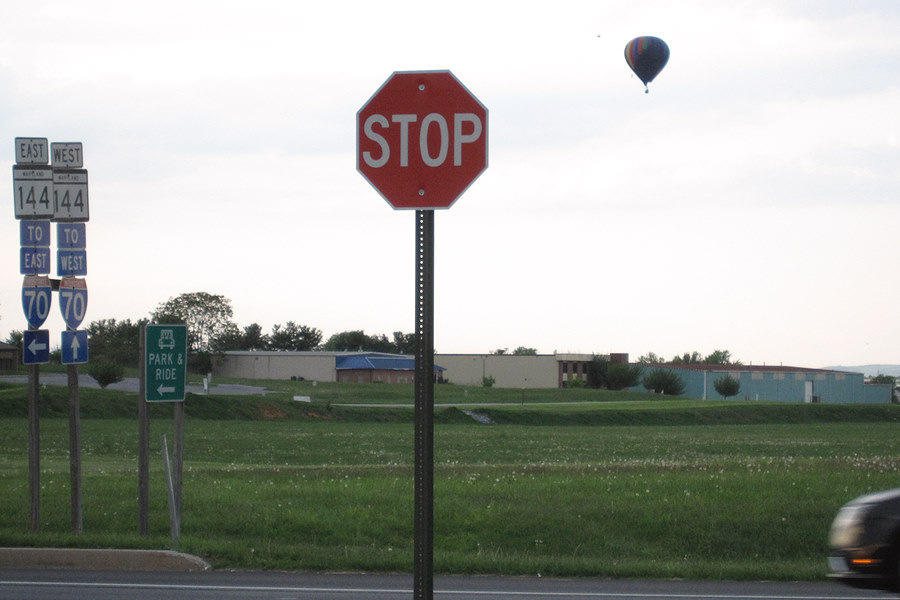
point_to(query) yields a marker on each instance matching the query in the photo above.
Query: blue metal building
(779, 384)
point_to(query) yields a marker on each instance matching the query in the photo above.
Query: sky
(749, 202)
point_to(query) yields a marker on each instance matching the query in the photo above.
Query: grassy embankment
(615, 485)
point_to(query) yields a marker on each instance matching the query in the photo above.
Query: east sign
(421, 139)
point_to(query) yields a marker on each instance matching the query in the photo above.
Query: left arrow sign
(37, 347)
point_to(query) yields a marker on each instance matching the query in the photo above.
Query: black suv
(865, 542)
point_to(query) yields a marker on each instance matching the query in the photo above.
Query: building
(347, 367)
(779, 384)
(8, 357)
(505, 370)
(547, 371)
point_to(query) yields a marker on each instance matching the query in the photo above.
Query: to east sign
(421, 139)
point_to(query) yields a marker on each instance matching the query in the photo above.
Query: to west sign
(421, 139)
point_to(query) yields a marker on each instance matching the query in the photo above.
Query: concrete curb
(99, 560)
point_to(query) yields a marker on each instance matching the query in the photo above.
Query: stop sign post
(421, 140)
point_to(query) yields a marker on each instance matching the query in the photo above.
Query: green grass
(619, 487)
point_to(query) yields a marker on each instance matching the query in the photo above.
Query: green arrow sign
(165, 363)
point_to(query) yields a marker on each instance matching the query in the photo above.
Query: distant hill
(871, 370)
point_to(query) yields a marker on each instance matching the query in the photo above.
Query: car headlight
(847, 528)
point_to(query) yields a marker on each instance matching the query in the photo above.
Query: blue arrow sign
(71, 263)
(37, 296)
(71, 236)
(34, 261)
(37, 346)
(34, 233)
(73, 299)
(74, 347)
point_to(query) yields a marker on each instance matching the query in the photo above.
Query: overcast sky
(749, 202)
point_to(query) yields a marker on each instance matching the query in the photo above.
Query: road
(131, 384)
(218, 585)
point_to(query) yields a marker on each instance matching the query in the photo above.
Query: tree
(620, 376)
(16, 338)
(253, 338)
(720, 357)
(601, 373)
(106, 372)
(357, 341)
(727, 386)
(230, 339)
(294, 337)
(500, 351)
(663, 381)
(523, 351)
(117, 342)
(688, 358)
(207, 316)
(405, 343)
(650, 358)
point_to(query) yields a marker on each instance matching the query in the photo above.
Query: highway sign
(34, 233)
(71, 263)
(32, 192)
(37, 296)
(421, 139)
(34, 261)
(165, 363)
(31, 151)
(71, 236)
(74, 347)
(73, 298)
(70, 195)
(36, 346)
(66, 155)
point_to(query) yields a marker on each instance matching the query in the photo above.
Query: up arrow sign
(74, 346)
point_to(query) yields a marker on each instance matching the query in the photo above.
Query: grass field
(620, 486)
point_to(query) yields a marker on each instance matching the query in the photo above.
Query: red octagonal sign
(421, 139)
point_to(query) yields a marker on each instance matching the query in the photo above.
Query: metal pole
(423, 571)
(143, 444)
(34, 446)
(178, 474)
(75, 449)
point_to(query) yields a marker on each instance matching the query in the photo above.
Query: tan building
(506, 370)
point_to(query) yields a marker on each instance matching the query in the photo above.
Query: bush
(664, 381)
(106, 372)
(488, 381)
(727, 386)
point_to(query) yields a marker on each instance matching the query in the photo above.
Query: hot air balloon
(646, 55)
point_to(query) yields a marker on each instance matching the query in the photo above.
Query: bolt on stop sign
(421, 139)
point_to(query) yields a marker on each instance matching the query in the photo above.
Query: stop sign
(421, 139)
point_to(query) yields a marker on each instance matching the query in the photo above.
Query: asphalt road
(49, 584)
(130, 384)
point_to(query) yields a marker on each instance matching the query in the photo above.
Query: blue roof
(380, 362)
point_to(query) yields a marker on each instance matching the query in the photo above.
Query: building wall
(375, 376)
(508, 370)
(312, 366)
(784, 385)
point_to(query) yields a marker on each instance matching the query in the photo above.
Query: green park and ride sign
(165, 363)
